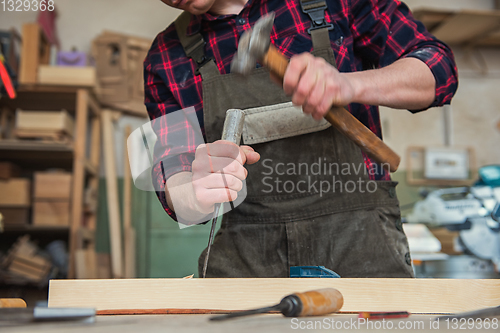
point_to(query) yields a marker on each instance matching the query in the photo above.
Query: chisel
(311, 303)
(233, 127)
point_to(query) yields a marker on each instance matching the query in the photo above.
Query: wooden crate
(51, 213)
(15, 192)
(119, 67)
(67, 76)
(14, 215)
(52, 185)
(35, 51)
(38, 122)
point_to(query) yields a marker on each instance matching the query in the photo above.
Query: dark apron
(290, 216)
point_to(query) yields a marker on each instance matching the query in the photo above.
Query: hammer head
(253, 45)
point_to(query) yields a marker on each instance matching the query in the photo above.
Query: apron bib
(309, 201)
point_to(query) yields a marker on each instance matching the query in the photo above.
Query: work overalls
(287, 219)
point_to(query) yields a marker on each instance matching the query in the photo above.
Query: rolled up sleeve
(385, 31)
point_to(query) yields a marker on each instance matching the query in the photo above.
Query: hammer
(255, 45)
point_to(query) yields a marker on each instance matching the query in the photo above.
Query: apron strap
(194, 47)
(319, 27)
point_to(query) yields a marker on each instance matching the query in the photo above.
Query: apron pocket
(279, 121)
(389, 223)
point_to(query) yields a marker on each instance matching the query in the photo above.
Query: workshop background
(68, 204)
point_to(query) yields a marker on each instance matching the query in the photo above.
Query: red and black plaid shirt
(375, 33)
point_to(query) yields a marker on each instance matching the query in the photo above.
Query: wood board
(128, 229)
(35, 51)
(426, 296)
(115, 234)
(55, 121)
(67, 76)
(467, 26)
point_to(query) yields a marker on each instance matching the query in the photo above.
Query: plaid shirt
(375, 33)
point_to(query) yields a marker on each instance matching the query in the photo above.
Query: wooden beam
(80, 146)
(426, 296)
(129, 232)
(467, 27)
(30, 54)
(112, 193)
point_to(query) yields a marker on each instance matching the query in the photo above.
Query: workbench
(262, 323)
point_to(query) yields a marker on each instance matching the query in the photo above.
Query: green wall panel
(162, 249)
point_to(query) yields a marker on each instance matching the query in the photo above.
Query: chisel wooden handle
(12, 303)
(342, 120)
(320, 302)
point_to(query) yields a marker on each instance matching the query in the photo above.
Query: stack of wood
(51, 196)
(15, 195)
(49, 125)
(23, 262)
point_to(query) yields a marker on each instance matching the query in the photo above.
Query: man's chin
(198, 11)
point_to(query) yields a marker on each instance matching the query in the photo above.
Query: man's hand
(217, 175)
(316, 85)
(218, 172)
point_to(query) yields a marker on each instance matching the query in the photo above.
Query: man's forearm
(406, 84)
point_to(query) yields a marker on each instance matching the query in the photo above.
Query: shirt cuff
(444, 73)
(164, 171)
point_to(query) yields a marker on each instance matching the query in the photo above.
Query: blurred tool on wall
(473, 212)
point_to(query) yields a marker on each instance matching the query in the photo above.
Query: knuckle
(232, 168)
(196, 165)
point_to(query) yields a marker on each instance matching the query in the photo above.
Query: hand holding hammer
(255, 45)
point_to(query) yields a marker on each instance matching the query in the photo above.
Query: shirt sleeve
(385, 31)
(159, 102)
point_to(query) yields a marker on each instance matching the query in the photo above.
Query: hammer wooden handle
(342, 120)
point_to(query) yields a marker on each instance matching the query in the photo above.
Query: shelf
(465, 27)
(37, 154)
(47, 98)
(26, 146)
(80, 157)
(34, 229)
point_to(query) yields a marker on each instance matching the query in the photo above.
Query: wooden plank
(79, 158)
(86, 265)
(93, 164)
(67, 76)
(467, 27)
(45, 121)
(30, 53)
(431, 18)
(426, 296)
(112, 193)
(129, 231)
(103, 265)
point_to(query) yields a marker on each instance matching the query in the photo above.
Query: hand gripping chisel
(233, 127)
